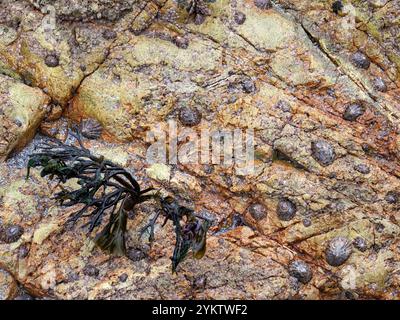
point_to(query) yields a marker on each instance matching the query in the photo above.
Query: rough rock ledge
(319, 218)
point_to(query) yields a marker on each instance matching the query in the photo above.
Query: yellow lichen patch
(13, 197)
(112, 104)
(186, 182)
(24, 108)
(159, 171)
(198, 56)
(43, 232)
(267, 31)
(115, 154)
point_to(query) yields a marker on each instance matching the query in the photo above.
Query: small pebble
(181, 42)
(136, 254)
(232, 99)
(73, 276)
(301, 271)
(332, 175)
(91, 271)
(248, 86)
(323, 152)
(362, 168)
(392, 197)
(109, 34)
(208, 169)
(376, 247)
(307, 222)
(123, 277)
(263, 4)
(360, 244)
(239, 17)
(237, 221)
(353, 111)
(379, 84)
(338, 251)
(360, 60)
(286, 209)
(257, 211)
(51, 61)
(189, 116)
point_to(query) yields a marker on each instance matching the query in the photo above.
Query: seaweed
(189, 236)
(198, 9)
(108, 190)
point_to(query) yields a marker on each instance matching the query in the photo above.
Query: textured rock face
(8, 286)
(86, 10)
(22, 108)
(323, 99)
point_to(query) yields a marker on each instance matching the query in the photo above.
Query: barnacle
(91, 129)
(379, 84)
(301, 271)
(360, 60)
(338, 251)
(51, 61)
(323, 152)
(392, 197)
(257, 211)
(354, 111)
(286, 209)
(189, 117)
(106, 189)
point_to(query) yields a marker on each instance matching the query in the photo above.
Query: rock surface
(22, 109)
(277, 70)
(8, 286)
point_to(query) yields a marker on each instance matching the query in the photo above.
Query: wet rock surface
(8, 286)
(22, 108)
(331, 203)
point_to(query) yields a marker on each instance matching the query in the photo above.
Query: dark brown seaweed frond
(190, 230)
(108, 191)
(105, 189)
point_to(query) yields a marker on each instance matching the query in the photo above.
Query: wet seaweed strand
(108, 190)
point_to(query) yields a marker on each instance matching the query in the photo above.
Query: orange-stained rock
(323, 171)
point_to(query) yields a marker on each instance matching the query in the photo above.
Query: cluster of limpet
(337, 252)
